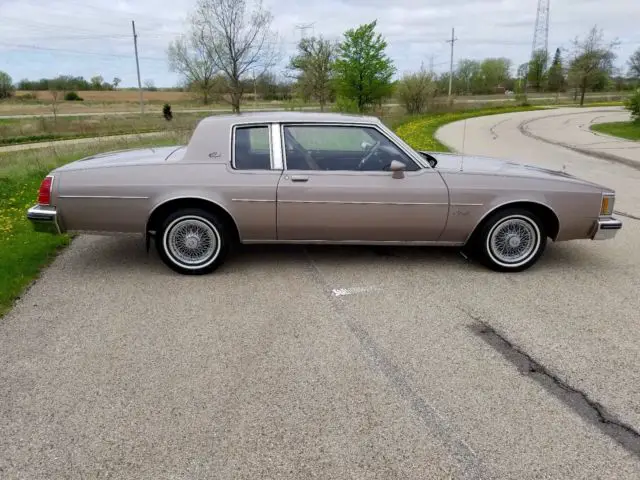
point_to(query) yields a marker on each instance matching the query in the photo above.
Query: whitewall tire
(192, 241)
(511, 240)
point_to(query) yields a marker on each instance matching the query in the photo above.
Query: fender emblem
(214, 155)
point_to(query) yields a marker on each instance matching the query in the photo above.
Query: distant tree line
(68, 83)
(230, 51)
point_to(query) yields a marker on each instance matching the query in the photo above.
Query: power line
(76, 52)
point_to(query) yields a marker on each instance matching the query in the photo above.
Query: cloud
(41, 38)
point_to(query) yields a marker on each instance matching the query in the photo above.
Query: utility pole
(452, 41)
(135, 46)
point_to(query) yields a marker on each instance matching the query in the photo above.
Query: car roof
(289, 116)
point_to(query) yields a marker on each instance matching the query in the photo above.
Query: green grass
(420, 132)
(23, 252)
(627, 130)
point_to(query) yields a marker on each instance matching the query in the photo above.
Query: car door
(332, 197)
(252, 186)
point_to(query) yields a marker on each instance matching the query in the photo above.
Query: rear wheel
(192, 241)
(511, 240)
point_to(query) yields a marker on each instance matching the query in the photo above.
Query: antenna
(464, 136)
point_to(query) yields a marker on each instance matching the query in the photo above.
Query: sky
(40, 38)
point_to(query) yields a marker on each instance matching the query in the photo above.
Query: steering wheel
(366, 158)
(307, 156)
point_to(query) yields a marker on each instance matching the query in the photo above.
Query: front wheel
(192, 241)
(511, 240)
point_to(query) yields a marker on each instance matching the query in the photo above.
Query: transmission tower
(303, 27)
(540, 35)
(541, 31)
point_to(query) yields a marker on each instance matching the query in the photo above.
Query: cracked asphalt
(111, 366)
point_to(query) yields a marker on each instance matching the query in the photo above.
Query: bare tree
(190, 58)
(238, 41)
(592, 59)
(313, 64)
(56, 90)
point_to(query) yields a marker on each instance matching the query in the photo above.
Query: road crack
(576, 399)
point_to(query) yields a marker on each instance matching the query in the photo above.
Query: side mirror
(398, 168)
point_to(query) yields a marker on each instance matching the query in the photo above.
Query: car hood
(490, 165)
(139, 156)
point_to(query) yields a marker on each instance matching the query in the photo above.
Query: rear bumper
(44, 219)
(606, 228)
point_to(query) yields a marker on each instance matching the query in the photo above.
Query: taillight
(44, 194)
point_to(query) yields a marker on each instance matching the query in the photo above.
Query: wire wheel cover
(192, 241)
(514, 240)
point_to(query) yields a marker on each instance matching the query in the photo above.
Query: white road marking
(340, 292)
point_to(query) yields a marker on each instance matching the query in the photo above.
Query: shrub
(633, 105)
(73, 97)
(415, 90)
(345, 105)
(166, 112)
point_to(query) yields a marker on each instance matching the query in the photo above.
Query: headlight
(606, 208)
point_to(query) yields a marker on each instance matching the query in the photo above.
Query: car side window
(341, 147)
(251, 148)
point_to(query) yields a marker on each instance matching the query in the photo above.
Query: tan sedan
(319, 178)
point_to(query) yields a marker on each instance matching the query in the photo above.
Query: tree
(150, 85)
(190, 58)
(634, 64)
(96, 82)
(494, 72)
(468, 73)
(633, 105)
(555, 79)
(115, 82)
(363, 70)
(591, 60)
(238, 40)
(538, 69)
(415, 89)
(6, 85)
(314, 63)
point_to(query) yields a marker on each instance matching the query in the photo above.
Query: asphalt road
(331, 362)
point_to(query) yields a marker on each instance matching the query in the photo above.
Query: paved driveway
(331, 362)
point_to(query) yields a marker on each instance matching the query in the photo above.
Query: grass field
(27, 130)
(628, 130)
(128, 101)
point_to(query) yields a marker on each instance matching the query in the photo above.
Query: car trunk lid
(138, 156)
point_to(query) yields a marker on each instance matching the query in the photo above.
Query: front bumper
(606, 228)
(44, 219)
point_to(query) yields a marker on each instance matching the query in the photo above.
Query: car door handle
(299, 178)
